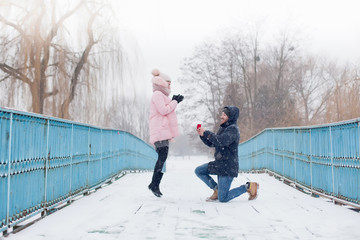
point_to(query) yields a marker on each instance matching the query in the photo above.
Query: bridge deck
(126, 209)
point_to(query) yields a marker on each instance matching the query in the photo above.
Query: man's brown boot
(214, 196)
(252, 190)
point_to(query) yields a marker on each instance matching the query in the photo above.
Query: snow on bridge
(126, 209)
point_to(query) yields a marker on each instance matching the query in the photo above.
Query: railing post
(88, 161)
(266, 149)
(101, 154)
(256, 149)
(71, 156)
(311, 185)
(273, 150)
(112, 155)
(47, 156)
(125, 150)
(294, 155)
(332, 161)
(137, 156)
(118, 151)
(283, 149)
(9, 172)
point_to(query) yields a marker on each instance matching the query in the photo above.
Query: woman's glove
(178, 98)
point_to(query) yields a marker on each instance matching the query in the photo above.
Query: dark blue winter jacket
(226, 142)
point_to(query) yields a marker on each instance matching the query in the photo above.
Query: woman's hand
(178, 98)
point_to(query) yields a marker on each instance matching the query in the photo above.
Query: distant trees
(236, 71)
(274, 85)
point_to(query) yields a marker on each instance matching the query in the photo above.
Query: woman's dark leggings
(157, 175)
(162, 156)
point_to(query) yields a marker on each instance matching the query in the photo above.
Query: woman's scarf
(162, 89)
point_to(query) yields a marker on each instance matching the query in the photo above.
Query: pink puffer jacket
(163, 122)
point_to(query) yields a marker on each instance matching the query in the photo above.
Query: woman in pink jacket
(162, 124)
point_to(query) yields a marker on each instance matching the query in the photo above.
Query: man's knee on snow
(222, 198)
(197, 171)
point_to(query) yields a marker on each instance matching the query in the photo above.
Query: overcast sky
(166, 31)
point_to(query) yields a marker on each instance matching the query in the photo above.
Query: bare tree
(240, 66)
(38, 51)
(203, 75)
(275, 76)
(344, 101)
(259, 71)
(279, 57)
(312, 87)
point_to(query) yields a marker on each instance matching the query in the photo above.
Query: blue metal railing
(46, 161)
(323, 158)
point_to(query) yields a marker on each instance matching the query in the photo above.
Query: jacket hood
(233, 114)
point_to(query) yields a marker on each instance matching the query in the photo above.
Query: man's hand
(200, 131)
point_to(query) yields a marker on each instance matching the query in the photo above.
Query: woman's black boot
(154, 185)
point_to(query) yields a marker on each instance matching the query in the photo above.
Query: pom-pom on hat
(155, 72)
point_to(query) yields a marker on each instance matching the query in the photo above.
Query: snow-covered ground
(127, 210)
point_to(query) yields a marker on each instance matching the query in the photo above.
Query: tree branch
(15, 73)
(53, 33)
(4, 78)
(79, 67)
(56, 26)
(48, 94)
(16, 27)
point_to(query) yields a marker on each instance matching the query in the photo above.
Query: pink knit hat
(160, 78)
